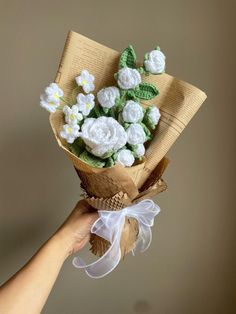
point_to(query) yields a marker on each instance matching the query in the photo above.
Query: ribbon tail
(144, 239)
(105, 264)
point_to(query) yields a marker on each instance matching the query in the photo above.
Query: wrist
(62, 244)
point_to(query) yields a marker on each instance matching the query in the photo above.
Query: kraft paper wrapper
(178, 102)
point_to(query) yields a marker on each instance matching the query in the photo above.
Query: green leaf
(109, 162)
(98, 111)
(128, 58)
(92, 160)
(146, 91)
(77, 147)
(107, 154)
(147, 132)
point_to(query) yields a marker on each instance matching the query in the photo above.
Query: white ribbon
(110, 225)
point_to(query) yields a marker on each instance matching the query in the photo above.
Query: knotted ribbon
(110, 225)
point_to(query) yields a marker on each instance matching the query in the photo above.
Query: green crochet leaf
(92, 160)
(146, 91)
(107, 154)
(109, 162)
(147, 132)
(128, 58)
(77, 147)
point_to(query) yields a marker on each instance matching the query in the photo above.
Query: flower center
(87, 105)
(84, 82)
(55, 95)
(72, 116)
(69, 130)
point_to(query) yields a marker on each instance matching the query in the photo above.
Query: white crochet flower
(53, 93)
(102, 135)
(49, 106)
(154, 115)
(136, 134)
(85, 79)
(128, 78)
(107, 96)
(132, 112)
(72, 115)
(139, 150)
(70, 132)
(85, 103)
(156, 62)
(125, 158)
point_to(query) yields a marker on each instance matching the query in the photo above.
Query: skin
(27, 291)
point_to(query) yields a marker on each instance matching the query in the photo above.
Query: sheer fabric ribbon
(110, 225)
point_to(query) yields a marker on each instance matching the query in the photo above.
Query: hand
(75, 231)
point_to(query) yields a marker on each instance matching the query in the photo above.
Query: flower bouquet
(105, 115)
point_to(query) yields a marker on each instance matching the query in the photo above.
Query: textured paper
(178, 101)
(116, 187)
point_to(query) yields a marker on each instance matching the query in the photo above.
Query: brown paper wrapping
(117, 187)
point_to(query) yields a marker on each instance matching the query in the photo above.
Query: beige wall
(190, 267)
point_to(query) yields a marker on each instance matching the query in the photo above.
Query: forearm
(27, 291)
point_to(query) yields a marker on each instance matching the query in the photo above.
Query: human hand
(75, 231)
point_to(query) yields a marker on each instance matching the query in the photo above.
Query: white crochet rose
(85, 79)
(125, 158)
(139, 150)
(103, 135)
(85, 103)
(72, 115)
(70, 132)
(154, 115)
(132, 112)
(156, 62)
(128, 78)
(135, 134)
(107, 96)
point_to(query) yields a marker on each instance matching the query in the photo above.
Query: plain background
(190, 267)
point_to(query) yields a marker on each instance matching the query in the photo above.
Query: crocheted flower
(135, 134)
(153, 115)
(70, 132)
(49, 106)
(128, 78)
(85, 79)
(132, 112)
(155, 62)
(72, 115)
(139, 150)
(125, 158)
(107, 96)
(85, 103)
(103, 135)
(53, 93)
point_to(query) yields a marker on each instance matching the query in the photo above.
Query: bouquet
(110, 117)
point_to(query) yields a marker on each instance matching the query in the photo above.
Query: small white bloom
(49, 106)
(85, 103)
(102, 135)
(132, 112)
(107, 96)
(72, 115)
(125, 158)
(156, 62)
(139, 150)
(53, 93)
(154, 115)
(128, 78)
(85, 79)
(136, 134)
(70, 132)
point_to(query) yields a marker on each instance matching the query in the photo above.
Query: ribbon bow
(110, 225)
